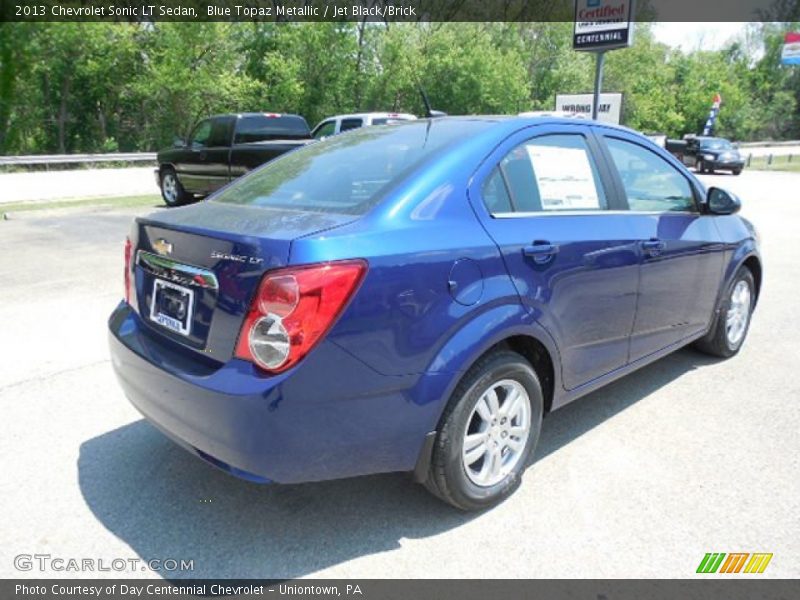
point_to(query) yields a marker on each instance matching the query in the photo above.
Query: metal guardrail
(769, 144)
(53, 159)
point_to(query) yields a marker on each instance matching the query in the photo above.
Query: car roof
(514, 122)
(265, 113)
(380, 115)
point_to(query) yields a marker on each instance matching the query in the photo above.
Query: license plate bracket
(172, 306)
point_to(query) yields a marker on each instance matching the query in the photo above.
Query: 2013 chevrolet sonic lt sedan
(416, 297)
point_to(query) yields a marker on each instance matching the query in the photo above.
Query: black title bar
(381, 10)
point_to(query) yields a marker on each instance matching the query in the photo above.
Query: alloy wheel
(738, 312)
(497, 432)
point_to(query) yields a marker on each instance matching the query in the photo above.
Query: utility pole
(600, 59)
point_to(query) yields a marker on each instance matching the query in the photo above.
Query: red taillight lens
(128, 270)
(293, 309)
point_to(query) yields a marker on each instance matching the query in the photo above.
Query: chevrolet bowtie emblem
(162, 246)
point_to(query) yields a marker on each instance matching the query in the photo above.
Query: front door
(681, 249)
(546, 200)
(204, 167)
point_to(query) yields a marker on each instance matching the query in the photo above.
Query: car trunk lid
(197, 267)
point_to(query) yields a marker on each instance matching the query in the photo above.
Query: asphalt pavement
(687, 456)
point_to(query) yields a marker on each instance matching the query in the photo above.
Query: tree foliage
(94, 87)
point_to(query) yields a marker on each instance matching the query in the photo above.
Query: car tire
(459, 473)
(172, 191)
(737, 171)
(699, 166)
(732, 322)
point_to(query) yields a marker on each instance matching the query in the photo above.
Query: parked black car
(707, 154)
(224, 147)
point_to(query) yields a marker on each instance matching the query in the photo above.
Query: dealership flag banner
(712, 115)
(791, 49)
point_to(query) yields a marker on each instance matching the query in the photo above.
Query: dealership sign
(603, 24)
(608, 110)
(791, 49)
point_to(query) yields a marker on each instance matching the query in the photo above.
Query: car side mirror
(178, 142)
(721, 202)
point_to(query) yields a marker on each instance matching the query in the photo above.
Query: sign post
(602, 25)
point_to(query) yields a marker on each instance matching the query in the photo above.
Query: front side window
(552, 173)
(326, 129)
(201, 134)
(650, 182)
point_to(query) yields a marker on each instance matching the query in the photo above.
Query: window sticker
(564, 177)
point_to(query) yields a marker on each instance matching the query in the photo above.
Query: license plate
(172, 306)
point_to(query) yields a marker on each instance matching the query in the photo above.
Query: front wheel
(737, 171)
(488, 433)
(699, 166)
(733, 319)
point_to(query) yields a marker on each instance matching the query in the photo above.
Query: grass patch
(121, 202)
(779, 163)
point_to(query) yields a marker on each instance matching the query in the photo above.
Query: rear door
(681, 249)
(204, 167)
(546, 197)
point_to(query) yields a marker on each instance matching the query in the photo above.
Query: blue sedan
(417, 297)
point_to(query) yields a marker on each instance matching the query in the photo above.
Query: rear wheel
(699, 166)
(171, 189)
(488, 434)
(733, 320)
(737, 171)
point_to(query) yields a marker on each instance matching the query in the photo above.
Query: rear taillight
(293, 309)
(128, 270)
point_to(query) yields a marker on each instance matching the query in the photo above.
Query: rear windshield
(347, 173)
(263, 128)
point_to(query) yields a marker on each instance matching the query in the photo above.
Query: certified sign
(603, 24)
(608, 109)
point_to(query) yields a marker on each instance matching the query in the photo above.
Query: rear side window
(495, 194)
(220, 132)
(264, 128)
(553, 173)
(650, 182)
(350, 173)
(348, 124)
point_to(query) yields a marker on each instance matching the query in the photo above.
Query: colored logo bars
(716, 562)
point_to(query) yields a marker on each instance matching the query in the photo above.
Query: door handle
(654, 246)
(541, 252)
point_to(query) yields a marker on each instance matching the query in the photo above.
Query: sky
(693, 36)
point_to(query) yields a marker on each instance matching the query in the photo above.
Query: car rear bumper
(329, 417)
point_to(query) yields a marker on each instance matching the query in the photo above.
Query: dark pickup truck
(707, 154)
(224, 147)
